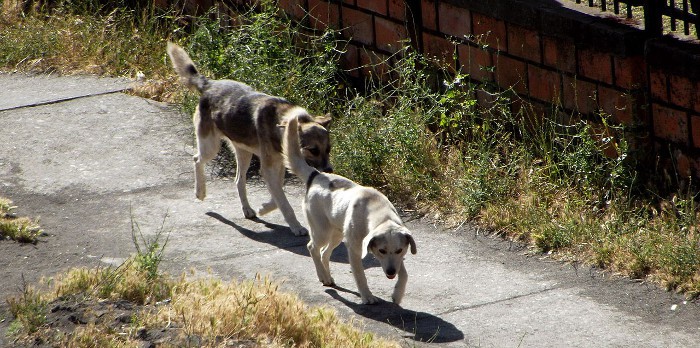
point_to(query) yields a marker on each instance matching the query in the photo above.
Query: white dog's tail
(184, 67)
(291, 149)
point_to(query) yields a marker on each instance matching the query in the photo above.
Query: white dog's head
(389, 243)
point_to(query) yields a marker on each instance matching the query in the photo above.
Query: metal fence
(659, 16)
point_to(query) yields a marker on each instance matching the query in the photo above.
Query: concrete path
(87, 159)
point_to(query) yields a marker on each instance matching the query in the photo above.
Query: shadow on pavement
(420, 326)
(281, 237)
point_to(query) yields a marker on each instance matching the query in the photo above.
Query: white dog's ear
(367, 245)
(412, 242)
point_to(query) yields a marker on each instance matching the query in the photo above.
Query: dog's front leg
(274, 185)
(400, 287)
(243, 158)
(358, 272)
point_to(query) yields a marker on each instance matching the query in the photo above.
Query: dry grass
(119, 43)
(204, 312)
(21, 229)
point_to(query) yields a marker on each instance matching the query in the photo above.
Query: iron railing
(659, 16)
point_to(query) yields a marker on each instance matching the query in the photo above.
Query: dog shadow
(419, 326)
(281, 237)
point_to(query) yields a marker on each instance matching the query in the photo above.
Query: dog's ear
(411, 242)
(324, 120)
(367, 245)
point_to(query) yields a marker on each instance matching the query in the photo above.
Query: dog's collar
(311, 179)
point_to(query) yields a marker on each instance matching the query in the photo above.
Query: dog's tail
(291, 149)
(184, 67)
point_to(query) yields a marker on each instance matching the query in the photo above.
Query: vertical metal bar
(673, 15)
(590, 3)
(604, 5)
(653, 23)
(629, 11)
(686, 25)
(616, 6)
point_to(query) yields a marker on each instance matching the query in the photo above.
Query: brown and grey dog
(335, 208)
(249, 121)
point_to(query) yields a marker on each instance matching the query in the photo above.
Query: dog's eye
(382, 251)
(314, 151)
(399, 251)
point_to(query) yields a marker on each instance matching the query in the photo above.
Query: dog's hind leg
(243, 158)
(318, 244)
(333, 243)
(208, 145)
(400, 287)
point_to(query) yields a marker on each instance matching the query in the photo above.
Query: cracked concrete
(87, 159)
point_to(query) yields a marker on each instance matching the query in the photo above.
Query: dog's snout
(390, 273)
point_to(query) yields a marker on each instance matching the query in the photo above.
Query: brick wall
(548, 51)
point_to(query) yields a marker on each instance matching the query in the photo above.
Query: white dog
(336, 207)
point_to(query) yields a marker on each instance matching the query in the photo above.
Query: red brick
(511, 73)
(544, 85)
(358, 26)
(294, 8)
(489, 31)
(682, 164)
(397, 9)
(524, 43)
(595, 65)
(659, 86)
(429, 14)
(670, 124)
(559, 54)
(376, 6)
(350, 60)
(696, 97)
(630, 72)
(374, 64)
(389, 34)
(324, 14)
(581, 96)
(681, 91)
(695, 127)
(476, 62)
(440, 48)
(453, 20)
(618, 104)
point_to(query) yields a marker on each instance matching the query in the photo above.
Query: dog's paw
(328, 282)
(200, 194)
(299, 231)
(370, 300)
(397, 298)
(249, 213)
(267, 207)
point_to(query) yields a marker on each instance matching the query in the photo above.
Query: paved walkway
(87, 159)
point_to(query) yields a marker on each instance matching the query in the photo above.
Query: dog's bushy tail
(185, 67)
(291, 149)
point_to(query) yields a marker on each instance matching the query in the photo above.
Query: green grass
(564, 185)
